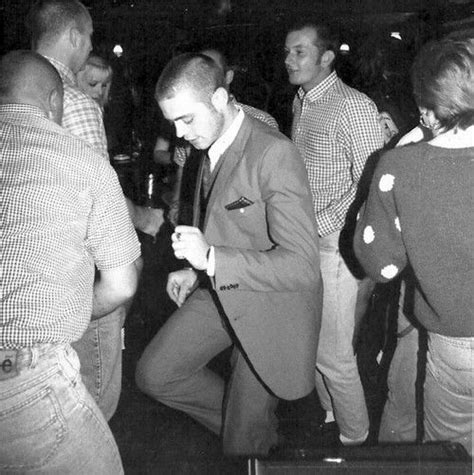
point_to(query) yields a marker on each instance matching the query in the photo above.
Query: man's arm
(115, 287)
(361, 137)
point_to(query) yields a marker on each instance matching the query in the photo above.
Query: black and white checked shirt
(62, 212)
(82, 116)
(335, 129)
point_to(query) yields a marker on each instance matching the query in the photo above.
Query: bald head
(28, 78)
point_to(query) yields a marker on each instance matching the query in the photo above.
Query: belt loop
(34, 356)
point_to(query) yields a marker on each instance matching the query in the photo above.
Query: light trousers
(100, 353)
(49, 423)
(337, 376)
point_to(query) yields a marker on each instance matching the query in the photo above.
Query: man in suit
(254, 282)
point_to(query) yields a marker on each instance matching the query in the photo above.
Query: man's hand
(180, 284)
(189, 243)
(147, 220)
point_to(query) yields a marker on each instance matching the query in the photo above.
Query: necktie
(203, 185)
(206, 175)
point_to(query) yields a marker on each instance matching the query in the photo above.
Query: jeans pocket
(31, 430)
(450, 361)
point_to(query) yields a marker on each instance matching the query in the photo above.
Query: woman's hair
(99, 63)
(443, 80)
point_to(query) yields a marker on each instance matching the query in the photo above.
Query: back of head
(443, 80)
(48, 19)
(28, 78)
(196, 73)
(217, 56)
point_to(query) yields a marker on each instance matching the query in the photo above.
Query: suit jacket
(260, 219)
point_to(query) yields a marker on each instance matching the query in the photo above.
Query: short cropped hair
(26, 73)
(190, 71)
(218, 56)
(327, 33)
(443, 80)
(47, 19)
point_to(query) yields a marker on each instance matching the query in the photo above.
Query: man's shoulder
(351, 96)
(259, 114)
(263, 131)
(73, 96)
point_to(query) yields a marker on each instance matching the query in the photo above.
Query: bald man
(62, 212)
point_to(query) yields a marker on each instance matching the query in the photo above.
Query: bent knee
(149, 377)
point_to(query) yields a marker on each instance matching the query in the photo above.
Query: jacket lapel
(229, 161)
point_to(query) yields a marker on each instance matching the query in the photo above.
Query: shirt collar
(63, 70)
(319, 90)
(224, 141)
(23, 109)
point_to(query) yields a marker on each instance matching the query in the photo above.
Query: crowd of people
(281, 239)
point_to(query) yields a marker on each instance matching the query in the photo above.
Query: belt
(12, 361)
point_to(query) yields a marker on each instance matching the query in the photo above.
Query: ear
(74, 36)
(327, 58)
(220, 99)
(229, 77)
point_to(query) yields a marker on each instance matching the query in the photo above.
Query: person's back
(419, 215)
(62, 211)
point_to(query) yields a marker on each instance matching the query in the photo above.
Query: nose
(288, 59)
(180, 129)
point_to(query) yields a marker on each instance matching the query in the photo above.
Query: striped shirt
(82, 116)
(62, 212)
(335, 129)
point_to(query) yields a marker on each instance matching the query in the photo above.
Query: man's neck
(229, 116)
(58, 54)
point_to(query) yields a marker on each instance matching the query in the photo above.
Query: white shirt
(215, 152)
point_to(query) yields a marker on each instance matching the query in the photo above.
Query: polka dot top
(420, 212)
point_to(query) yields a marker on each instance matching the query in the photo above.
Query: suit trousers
(173, 371)
(337, 376)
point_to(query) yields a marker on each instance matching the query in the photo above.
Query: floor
(155, 439)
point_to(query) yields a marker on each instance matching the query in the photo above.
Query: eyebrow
(181, 117)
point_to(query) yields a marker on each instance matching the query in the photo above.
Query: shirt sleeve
(378, 242)
(361, 136)
(83, 118)
(111, 237)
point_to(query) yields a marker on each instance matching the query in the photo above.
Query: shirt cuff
(211, 262)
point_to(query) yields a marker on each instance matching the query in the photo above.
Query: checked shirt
(62, 210)
(82, 116)
(336, 130)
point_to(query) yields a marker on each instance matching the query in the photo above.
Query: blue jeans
(337, 376)
(100, 353)
(49, 423)
(448, 391)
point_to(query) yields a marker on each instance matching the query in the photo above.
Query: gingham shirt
(62, 211)
(82, 116)
(335, 129)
